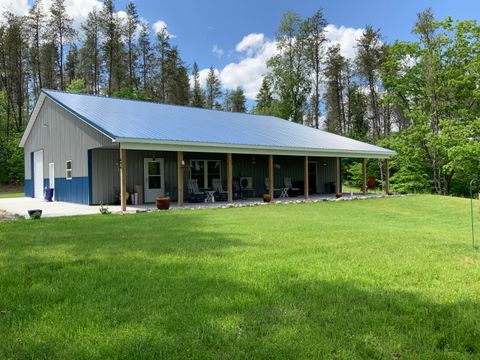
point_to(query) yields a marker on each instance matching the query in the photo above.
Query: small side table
(210, 197)
(284, 193)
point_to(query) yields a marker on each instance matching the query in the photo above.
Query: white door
(154, 182)
(51, 177)
(38, 174)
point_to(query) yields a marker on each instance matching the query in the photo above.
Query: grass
(11, 191)
(376, 279)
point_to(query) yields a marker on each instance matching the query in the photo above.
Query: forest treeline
(420, 98)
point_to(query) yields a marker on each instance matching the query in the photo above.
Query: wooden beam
(387, 177)
(229, 178)
(305, 178)
(270, 175)
(364, 176)
(180, 168)
(337, 175)
(123, 179)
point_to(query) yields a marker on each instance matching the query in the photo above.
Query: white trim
(38, 174)
(246, 149)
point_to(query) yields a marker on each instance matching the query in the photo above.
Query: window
(69, 171)
(205, 171)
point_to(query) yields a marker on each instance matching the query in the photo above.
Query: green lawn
(11, 191)
(383, 278)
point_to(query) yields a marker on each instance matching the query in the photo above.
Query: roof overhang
(159, 145)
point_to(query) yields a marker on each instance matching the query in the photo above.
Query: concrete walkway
(20, 206)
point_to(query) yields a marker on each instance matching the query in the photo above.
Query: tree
(146, 58)
(162, 46)
(264, 99)
(313, 33)
(36, 22)
(336, 68)
(289, 70)
(112, 46)
(130, 30)
(213, 89)
(235, 101)
(177, 83)
(72, 65)
(62, 32)
(197, 98)
(370, 56)
(90, 52)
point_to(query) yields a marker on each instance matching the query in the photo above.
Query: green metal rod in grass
(471, 210)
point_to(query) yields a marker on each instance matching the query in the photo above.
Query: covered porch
(118, 172)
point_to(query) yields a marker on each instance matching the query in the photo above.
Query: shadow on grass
(144, 287)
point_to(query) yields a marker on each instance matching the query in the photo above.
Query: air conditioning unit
(246, 182)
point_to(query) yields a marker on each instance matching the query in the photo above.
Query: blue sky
(211, 31)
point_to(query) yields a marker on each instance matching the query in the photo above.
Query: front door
(312, 177)
(154, 182)
(38, 174)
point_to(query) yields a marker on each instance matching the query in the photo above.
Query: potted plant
(338, 195)
(163, 202)
(267, 198)
(35, 214)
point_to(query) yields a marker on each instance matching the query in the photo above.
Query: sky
(237, 37)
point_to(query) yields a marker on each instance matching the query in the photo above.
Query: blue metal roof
(131, 120)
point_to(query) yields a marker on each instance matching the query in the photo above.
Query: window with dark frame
(69, 172)
(205, 171)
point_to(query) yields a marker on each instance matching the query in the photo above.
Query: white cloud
(250, 43)
(217, 51)
(18, 7)
(345, 36)
(160, 25)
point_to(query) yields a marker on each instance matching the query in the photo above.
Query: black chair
(194, 194)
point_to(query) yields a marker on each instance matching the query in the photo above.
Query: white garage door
(38, 173)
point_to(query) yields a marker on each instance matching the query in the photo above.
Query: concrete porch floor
(20, 206)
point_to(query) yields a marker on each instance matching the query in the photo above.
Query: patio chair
(292, 191)
(220, 194)
(194, 194)
(237, 189)
(276, 192)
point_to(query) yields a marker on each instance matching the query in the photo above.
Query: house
(93, 149)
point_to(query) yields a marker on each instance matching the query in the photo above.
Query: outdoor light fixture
(253, 160)
(183, 162)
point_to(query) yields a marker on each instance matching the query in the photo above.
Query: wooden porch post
(229, 178)
(387, 177)
(123, 178)
(305, 177)
(337, 175)
(270, 175)
(364, 176)
(180, 177)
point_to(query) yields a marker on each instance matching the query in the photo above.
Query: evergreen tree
(198, 98)
(264, 99)
(146, 58)
(162, 47)
(90, 53)
(177, 86)
(36, 23)
(313, 33)
(62, 31)
(235, 100)
(130, 30)
(213, 89)
(72, 67)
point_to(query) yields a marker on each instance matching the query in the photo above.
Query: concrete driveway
(20, 206)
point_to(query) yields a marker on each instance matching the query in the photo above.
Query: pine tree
(130, 30)
(162, 47)
(235, 101)
(61, 27)
(198, 98)
(213, 89)
(90, 52)
(264, 99)
(146, 58)
(177, 87)
(313, 33)
(36, 23)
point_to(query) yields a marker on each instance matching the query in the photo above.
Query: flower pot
(267, 198)
(35, 213)
(338, 195)
(163, 203)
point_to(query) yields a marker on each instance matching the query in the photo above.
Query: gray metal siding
(62, 137)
